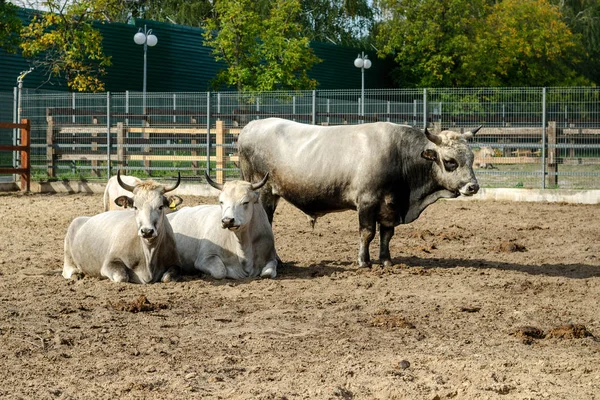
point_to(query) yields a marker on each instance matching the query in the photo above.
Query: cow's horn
(218, 186)
(260, 184)
(470, 134)
(433, 137)
(176, 183)
(125, 186)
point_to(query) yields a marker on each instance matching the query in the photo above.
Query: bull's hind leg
(69, 267)
(385, 235)
(367, 225)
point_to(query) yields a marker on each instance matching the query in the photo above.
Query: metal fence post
(14, 139)
(108, 144)
(314, 107)
(424, 108)
(208, 133)
(544, 171)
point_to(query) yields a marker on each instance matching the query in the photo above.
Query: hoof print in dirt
(141, 304)
(509, 247)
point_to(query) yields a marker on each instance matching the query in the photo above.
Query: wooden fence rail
(25, 148)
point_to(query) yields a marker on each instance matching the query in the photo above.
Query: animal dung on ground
(140, 304)
(509, 247)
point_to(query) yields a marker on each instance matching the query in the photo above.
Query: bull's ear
(174, 201)
(430, 155)
(124, 201)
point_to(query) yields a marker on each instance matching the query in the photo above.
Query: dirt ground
(485, 300)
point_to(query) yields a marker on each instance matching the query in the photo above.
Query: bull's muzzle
(229, 223)
(147, 233)
(470, 189)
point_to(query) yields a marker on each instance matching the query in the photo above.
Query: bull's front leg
(115, 271)
(385, 235)
(367, 225)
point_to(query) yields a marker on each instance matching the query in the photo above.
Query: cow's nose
(473, 188)
(147, 232)
(227, 222)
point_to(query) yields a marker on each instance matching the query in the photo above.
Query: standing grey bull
(389, 173)
(136, 245)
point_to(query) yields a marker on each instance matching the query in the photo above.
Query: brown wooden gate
(25, 148)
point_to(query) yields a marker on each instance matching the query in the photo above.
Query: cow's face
(453, 162)
(149, 204)
(237, 205)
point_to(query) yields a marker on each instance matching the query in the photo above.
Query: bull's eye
(245, 203)
(161, 207)
(450, 165)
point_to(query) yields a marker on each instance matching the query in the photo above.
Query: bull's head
(149, 203)
(453, 161)
(237, 201)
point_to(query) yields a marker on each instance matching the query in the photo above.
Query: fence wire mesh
(531, 137)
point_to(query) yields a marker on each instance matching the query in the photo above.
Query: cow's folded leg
(269, 270)
(212, 266)
(115, 271)
(173, 274)
(385, 235)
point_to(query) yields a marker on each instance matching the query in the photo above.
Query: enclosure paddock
(476, 305)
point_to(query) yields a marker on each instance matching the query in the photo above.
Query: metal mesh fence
(531, 137)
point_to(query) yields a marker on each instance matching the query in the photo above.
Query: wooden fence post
(220, 151)
(25, 152)
(50, 153)
(552, 160)
(148, 149)
(121, 147)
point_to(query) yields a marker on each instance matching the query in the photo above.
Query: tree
(526, 43)
(430, 39)
(261, 53)
(10, 27)
(445, 43)
(64, 43)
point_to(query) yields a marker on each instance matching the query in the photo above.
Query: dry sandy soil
(485, 300)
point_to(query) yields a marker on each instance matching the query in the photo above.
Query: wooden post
(220, 151)
(50, 154)
(147, 150)
(25, 159)
(121, 147)
(552, 159)
(95, 162)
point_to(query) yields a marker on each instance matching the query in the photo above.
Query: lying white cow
(233, 240)
(113, 191)
(136, 245)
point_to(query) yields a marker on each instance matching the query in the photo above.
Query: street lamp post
(362, 61)
(145, 38)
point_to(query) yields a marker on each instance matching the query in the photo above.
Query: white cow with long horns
(230, 240)
(136, 245)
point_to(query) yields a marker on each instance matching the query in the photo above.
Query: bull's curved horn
(218, 186)
(433, 137)
(168, 189)
(125, 186)
(470, 134)
(256, 186)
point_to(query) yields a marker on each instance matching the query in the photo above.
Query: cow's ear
(124, 201)
(430, 155)
(256, 197)
(174, 201)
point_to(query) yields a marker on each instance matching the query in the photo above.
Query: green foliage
(63, 43)
(261, 53)
(460, 43)
(10, 27)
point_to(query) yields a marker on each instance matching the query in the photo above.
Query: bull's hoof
(268, 273)
(172, 275)
(363, 264)
(386, 263)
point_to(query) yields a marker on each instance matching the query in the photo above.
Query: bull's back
(318, 169)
